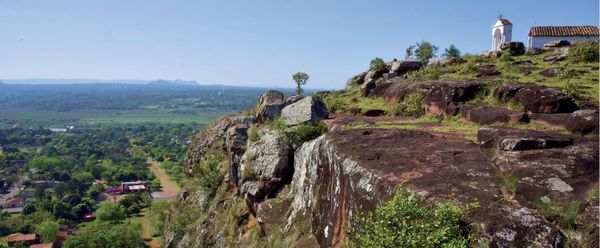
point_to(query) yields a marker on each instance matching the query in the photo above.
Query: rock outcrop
(212, 137)
(269, 105)
(536, 98)
(265, 165)
(342, 170)
(308, 109)
(514, 48)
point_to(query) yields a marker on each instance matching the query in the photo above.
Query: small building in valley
(540, 35)
(133, 187)
(22, 239)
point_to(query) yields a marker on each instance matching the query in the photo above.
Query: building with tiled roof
(45, 245)
(540, 35)
(26, 239)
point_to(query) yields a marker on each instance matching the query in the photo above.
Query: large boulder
(403, 66)
(583, 121)
(536, 98)
(269, 105)
(369, 82)
(397, 89)
(265, 165)
(540, 99)
(356, 79)
(212, 138)
(509, 139)
(514, 48)
(578, 122)
(486, 115)
(444, 97)
(508, 91)
(487, 71)
(308, 109)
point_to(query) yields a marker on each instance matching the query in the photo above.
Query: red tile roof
(505, 21)
(564, 31)
(21, 237)
(46, 245)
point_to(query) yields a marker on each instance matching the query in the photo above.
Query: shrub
(509, 181)
(565, 215)
(377, 64)
(297, 135)
(572, 89)
(412, 105)
(583, 52)
(379, 81)
(210, 174)
(253, 133)
(426, 72)
(506, 57)
(405, 222)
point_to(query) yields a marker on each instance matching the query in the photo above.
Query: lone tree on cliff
(300, 78)
(425, 50)
(452, 52)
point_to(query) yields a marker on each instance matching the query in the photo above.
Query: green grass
(562, 213)
(509, 181)
(343, 101)
(586, 78)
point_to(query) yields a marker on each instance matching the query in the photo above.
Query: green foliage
(209, 173)
(405, 222)
(452, 51)
(412, 105)
(111, 213)
(253, 133)
(300, 78)
(108, 236)
(47, 231)
(425, 50)
(506, 57)
(564, 214)
(45, 163)
(158, 212)
(409, 52)
(379, 81)
(583, 52)
(510, 182)
(572, 89)
(429, 72)
(377, 64)
(297, 135)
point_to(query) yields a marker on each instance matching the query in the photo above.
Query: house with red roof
(540, 35)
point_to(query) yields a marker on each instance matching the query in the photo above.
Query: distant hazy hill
(72, 81)
(176, 82)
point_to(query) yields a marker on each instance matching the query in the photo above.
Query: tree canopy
(300, 78)
(425, 50)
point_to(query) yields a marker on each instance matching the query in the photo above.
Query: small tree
(47, 231)
(425, 50)
(410, 51)
(300, 78)
(452, 52)
(377, 64)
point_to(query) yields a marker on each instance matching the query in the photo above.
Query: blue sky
(253, 43)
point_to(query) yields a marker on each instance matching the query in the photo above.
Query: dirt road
(169, 189)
